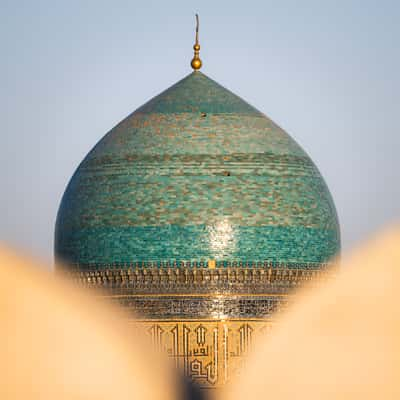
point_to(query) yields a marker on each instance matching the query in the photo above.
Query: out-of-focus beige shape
(341, 341)
(57, 343)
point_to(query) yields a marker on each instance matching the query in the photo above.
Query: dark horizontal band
(210, 307)
(198, 281)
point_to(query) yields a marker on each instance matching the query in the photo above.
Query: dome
(196, 174)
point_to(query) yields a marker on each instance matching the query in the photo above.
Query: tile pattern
(192, 281)
(196, 174)
(205, 319)
(221, 306)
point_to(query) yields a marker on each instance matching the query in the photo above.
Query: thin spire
(197, 28)
(196, 62)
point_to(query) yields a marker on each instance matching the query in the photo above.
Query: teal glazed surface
(196, 174)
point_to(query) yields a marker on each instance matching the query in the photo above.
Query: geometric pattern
(205, 319)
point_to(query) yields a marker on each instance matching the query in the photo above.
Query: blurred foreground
(59, 343)
(340, 341)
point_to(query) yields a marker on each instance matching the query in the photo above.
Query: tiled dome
(196, 174)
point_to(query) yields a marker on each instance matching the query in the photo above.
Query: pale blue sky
(326, 71)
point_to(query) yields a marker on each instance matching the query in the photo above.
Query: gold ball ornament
(196, 63)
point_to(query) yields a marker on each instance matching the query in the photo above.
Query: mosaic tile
(196, 174)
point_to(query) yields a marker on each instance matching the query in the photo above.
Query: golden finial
(196, 62)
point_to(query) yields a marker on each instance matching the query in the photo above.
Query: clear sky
(328, 72)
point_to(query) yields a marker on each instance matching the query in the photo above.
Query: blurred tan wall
(59, 343)
(340, 341)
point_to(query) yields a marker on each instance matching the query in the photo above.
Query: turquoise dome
(196, 174)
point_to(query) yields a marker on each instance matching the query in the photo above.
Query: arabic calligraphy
(210, 352)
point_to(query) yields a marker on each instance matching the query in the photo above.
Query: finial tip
(196, 62)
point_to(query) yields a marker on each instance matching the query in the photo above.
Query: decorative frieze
(151, 280)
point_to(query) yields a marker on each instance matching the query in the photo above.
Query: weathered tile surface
(196, 174)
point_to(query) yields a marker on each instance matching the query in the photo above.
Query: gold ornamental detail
(196, 62)
(208, 351)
